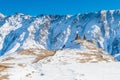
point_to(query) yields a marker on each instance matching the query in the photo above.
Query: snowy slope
(54, 32)
(88, 63)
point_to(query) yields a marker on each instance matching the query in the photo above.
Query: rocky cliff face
(54, 32)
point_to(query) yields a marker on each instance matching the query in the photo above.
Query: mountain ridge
(52, 32)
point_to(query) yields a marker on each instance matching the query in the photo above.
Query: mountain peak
(2, 16)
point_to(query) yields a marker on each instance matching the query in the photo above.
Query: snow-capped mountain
(55, 47)
(55, 32)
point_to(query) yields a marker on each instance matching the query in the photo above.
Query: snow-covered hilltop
(55, 32)
(88, 63)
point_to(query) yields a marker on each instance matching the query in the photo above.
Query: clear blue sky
(36, 7)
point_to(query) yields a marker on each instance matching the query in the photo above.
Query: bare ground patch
(44, 54)
(4, 77)
(8, 58)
